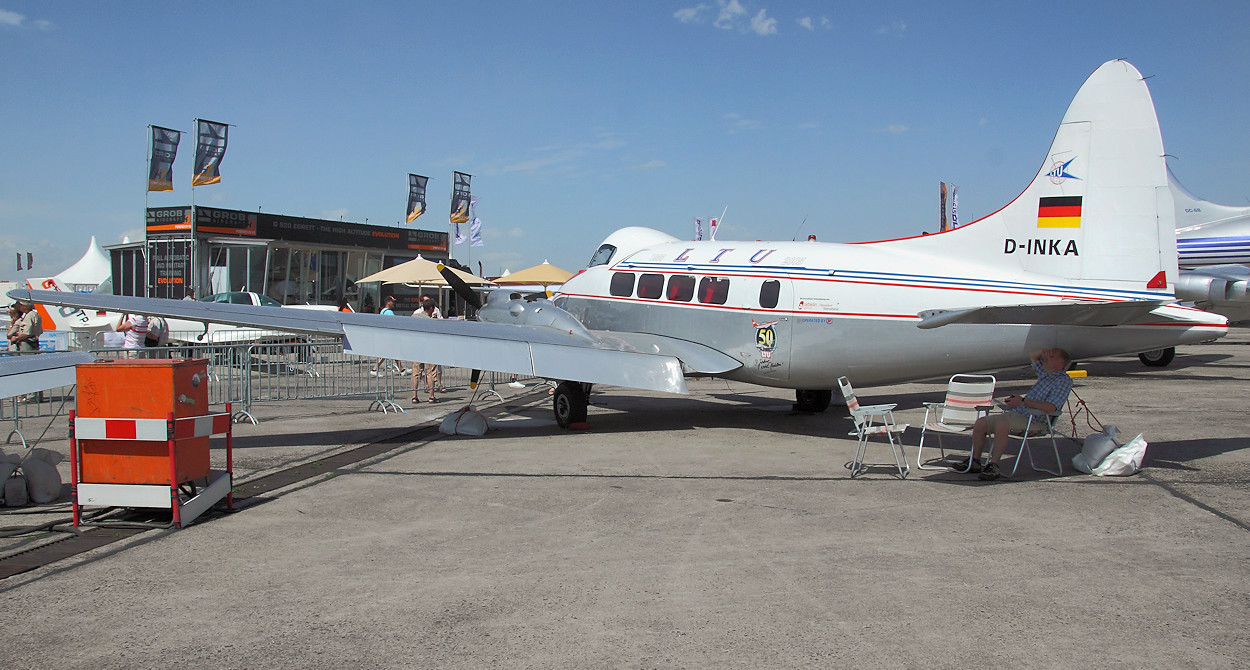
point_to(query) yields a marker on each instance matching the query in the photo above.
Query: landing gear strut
(569, 403)
(808, 400)
(1157, 358)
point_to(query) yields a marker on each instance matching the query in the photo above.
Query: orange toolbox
(143, 389)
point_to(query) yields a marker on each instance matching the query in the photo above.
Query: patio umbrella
(419, 271)
(543, 274)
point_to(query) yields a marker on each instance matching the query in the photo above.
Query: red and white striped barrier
(92, 428)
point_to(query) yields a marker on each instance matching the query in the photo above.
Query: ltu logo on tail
(1060, 172)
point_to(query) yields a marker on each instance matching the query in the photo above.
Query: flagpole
(147, 193)
(719, 221)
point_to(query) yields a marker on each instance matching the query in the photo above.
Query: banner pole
(147, 193)
(719, 222)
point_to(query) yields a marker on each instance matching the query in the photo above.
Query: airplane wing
(543, 347)
(1067, 313)
(39, 372)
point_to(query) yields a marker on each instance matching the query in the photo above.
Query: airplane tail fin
(1099, 214)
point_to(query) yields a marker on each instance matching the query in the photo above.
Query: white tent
(90, 271)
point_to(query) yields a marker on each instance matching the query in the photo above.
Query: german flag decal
(1062, 211)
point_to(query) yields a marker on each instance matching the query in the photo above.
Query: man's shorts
(1016, 423)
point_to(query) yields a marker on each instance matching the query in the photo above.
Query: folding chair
(968, 398)
(873, 420)
(1035, 418)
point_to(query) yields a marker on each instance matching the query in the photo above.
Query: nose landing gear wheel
(808, 400)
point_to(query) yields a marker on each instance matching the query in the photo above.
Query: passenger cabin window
(602, 255)
(650, 286)
(769, 293)
(622, 284)
(713, 290)
(681, 287)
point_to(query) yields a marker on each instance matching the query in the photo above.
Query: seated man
(1047, 396)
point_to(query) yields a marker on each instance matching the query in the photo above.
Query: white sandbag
(1096, 447)
(43, 482)
(1126, 460)
(467, 421)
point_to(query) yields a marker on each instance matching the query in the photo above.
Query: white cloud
(16, 20)
(762, 25)
(341, 214)
(691, 14)
(812, 24)
(650, 165)
(730, 12)
(735, 124)
(897, 128)
(559, 154)
(896, 28)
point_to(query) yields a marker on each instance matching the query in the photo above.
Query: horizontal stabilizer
(1084, 313)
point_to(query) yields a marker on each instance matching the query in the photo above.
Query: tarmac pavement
(715, 530)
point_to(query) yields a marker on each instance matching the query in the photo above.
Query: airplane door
(773, 329)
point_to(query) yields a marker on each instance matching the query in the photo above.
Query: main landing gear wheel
(808, 400)
(1157, 358)
(569, 403)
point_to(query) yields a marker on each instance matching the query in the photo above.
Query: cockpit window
(602, 255)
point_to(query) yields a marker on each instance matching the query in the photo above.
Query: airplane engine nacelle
(501, 307)
(1204, 288)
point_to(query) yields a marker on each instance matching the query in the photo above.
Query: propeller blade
(462, 289)
(473, 377)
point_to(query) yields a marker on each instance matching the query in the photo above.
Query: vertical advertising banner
(942, 204)
(416, 196)
(210, 148)
(161, 160)
(954, 206)
(460, 197)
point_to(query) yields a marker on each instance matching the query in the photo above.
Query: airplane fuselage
(801, 314)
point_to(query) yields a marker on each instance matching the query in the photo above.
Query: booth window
(681, 287)
(713, 290)
(650, 286)
(769, 293)
(622, 284)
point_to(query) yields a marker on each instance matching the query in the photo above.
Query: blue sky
(577, 118)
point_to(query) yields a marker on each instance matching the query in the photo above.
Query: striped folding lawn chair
(968, 398)
(873, 420)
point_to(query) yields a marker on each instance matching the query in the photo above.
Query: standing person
(15, 317)
(388, 309)
(344, 306)
(433, 377)
(1047, 396)
(135, 326)
(29, 328)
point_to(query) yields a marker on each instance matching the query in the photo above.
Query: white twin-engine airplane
(1084, 259)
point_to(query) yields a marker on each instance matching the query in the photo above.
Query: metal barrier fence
(246, 373)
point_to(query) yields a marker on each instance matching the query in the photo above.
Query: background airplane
(1213, 243)
(1083, 259)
